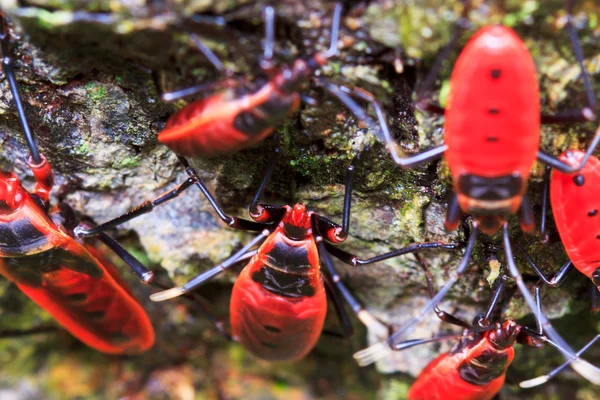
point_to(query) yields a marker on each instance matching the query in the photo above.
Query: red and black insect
(491, 140)
(245, 112)
(66, 277)
(278, 304)
(475, 369)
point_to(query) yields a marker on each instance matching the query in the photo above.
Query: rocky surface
(84, 73)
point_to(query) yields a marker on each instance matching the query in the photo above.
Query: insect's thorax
(490, 200)
(25, 231)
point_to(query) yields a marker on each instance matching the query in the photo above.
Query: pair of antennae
(269, 42)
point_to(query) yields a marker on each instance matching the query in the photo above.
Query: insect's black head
(505, 335)
(11, 193)
(297, 222)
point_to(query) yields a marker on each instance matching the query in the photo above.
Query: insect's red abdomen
(80, 289)
(441, 379)
(274, 327)
(492, 121)
(214, 126)
(576, 209)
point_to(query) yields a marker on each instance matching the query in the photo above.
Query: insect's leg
(363, 315)
(347, 330)
(269, 213)
(585, 369)
(424, 92)
(41, 169)
(564, 167)
(207, 275)
(482, 321)
(139, 269)
(416, 342)
(526, 218)
(8, 67)
(372, 323)
(254, 209)
(84, 231)
(586, 113)
(545, 203)
(441, 314)
(383, 130)
(453, 213)
(14, 333)
(594, 296)
(355, 261)
(545, 378)
(559, 276)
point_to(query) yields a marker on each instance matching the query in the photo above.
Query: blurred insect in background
(278, 304)
(245, 112)
(66, 277)
(491, 140)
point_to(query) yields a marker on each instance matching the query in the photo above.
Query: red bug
(475, 368)
(245, 113)
(278, 304)
(491, 140)
(67, 278)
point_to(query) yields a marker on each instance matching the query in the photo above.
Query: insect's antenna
(335, 28)
(269, 33)
(545, 378)
(7, 66)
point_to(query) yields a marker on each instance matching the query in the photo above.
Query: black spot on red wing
(272, 329)
(592, 213)
(579, 180)
(76, 297)
(597, 236)
(268, 345)
(493, 111)
(96, 315)
(491, 139)
(495, 73)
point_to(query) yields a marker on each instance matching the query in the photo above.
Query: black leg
(462, 268)
(8, 67)
(545, 378)
(350, 173)
(15, 333)
(441, 314)
(363, 315)
(142, 273)
(526, 218)
(355, 261)
(193, 90)
(482, 321)
(147, 277)
(199, 280)
(594, 294)
(585, 369)
(558, 278)
(338, 303)
(232, 222)
(373, 353)
(453, 213)
(416, 342)
(254, 208)
(545, 203)
(383, 131)
(82, 231)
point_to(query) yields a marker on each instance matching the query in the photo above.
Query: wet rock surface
(84, 69)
